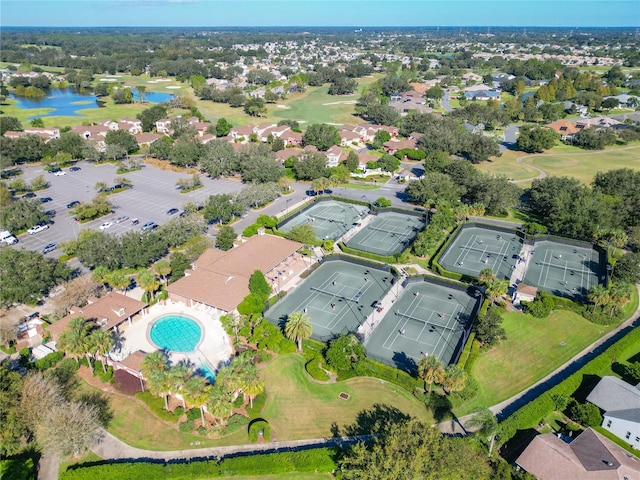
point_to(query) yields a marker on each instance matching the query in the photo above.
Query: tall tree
(148, 282)
(485, 425)
(430, 370)
(298, 327)
(455, 378)
(225, 238)
(196, 394)
(162, 268)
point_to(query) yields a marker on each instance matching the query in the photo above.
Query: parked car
(172, 211)
(29, 195)
(55, 170)
(60, 173)
(135, 221)
(184, 213)
(46, 199)
(121, 218)
(37, 229)
(50, 213)
(74, 169)
(73, 204)
(150, 226)
(106, 225)
(49, 247)
(7, 237)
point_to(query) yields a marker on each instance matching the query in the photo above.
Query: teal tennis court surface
(388, 233)
(428, 318)
(563, 269)
(330, 219)
(475, 248)
(337, 297)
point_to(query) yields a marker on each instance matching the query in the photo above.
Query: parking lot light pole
(286, 206)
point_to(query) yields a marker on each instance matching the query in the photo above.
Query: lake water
(68, 102)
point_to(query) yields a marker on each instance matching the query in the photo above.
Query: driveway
(445, 101)
(510, 138)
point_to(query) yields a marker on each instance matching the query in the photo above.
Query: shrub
(49, 361)
(193, 414)
(584, 413)
(236, 422)
(466, 352)
(17, 469)
(187, 427)
(541, 306)
(259, 427)
(250, 231)
(313, 368)
(106, 377)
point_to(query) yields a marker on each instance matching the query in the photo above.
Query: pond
(68, 102)
(65, 103)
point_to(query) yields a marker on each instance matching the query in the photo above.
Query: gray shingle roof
(611, 394)
(631, 415)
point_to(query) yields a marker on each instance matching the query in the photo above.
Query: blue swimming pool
(176, 333)
(206, 372)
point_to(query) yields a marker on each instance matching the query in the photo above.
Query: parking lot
(154, 192)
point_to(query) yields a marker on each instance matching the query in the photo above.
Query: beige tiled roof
(221, 279)
(114, 307)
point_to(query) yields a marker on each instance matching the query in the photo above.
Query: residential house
(348, 138)
(620, 402)
(580, 109)
(147, 138)
(627, 101)
(132, 126)
(590, 456)
(364, 158)
(567, 129)
(282, 155)
(600, 122)
(483, 95)
(241, 134)
(471, 77)
(292, 139)
(475, 129)
(164, 126)
(408, 103)
(525, 293)
(46, 134)
(91, 131)
(334, 156)
(392, 146)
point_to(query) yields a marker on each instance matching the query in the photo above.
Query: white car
(106, 225)
(37, 229)
(60, 173)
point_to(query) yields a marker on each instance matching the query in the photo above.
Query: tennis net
(326, 219)
(355, 298)
(424, 322)
(394, 232)
(481, 250)
(565, 267)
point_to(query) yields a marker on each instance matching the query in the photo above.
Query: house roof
(566, 127)
(630, 415)
(525, 289)
(611, 394)
(108, 311)
(589, 457)
(221, 279)
(134, 361)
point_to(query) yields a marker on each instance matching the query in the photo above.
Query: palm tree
(141, 91)
(486, 424)
(118, 280)
(220, 404)
(196, 393)
(597, 294)
(157, 360)
(486, 276)
(455, 379)
(253, 387)
(162, 268)
(235, 322)
(298, 327)
(496, 289)
(148, 282)
(159, 384)
(103, 342)
(73, 340)
(430, 370)
(178, 376)
(618, 296)
(154, 368)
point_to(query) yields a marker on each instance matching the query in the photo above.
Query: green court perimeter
(475, 248)
(428, 318)
(330, 219)
(388, 233)
(337, 297)
(564, 269)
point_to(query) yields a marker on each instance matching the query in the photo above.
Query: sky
(358, 13)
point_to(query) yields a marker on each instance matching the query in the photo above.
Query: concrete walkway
(510, 405)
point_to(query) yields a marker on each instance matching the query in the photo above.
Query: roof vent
(103, 322)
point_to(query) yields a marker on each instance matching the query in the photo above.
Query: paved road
(510, 138)
(445, 101)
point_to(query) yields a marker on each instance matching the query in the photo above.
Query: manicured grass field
(284, 476)
(507, 164)
(300, 408)
(583, 165)
(563, 160)
(534, 347)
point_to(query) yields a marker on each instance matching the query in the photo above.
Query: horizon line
(330, 26)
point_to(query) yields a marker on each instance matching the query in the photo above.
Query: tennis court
(427, 318)
(337, 297)
(330, 219)
(475, 248)
(563, 269)
(388, 233)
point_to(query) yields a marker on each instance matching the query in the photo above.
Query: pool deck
(214, 349)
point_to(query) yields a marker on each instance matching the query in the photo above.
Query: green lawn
(564, 160)
(583, 165)
(534, 347)
(300, 408)
(284, 476)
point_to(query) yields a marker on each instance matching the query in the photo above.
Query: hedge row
(320, 460)
(370, 368)
(533, 412)
(370, 256)
(464, 356)
(156, 405)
